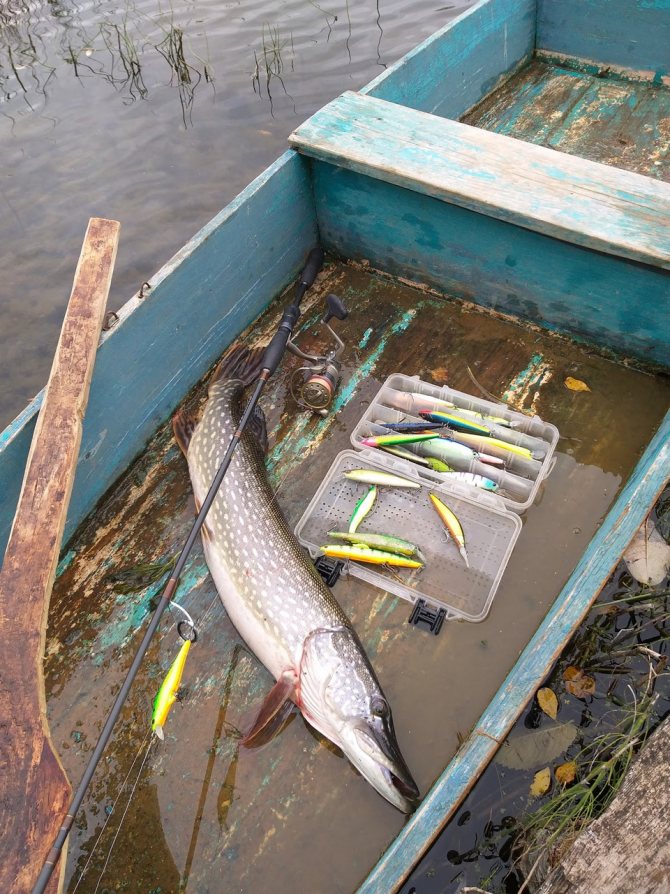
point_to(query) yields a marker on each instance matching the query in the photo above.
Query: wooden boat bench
(570, 198)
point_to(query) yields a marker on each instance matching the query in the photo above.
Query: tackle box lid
(445, 581)
(400, 398)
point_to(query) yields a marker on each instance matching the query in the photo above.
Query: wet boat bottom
(294, 815)
(566, 105)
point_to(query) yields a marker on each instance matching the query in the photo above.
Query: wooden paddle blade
(35, 794)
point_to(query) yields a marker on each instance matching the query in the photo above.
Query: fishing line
(111, 812)
(123, 816)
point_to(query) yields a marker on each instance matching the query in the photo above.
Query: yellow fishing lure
(167, 694)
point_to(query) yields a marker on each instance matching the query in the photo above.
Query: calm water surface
(155, 113)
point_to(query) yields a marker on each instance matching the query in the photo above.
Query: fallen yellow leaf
(576, 384)
(548, 702)
(541, 783)
(566, 773)
(578, 683)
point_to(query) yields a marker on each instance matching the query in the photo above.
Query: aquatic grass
(140, 576)
(270, 63)
(601, 768)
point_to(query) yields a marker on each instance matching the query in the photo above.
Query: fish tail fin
(240, 362)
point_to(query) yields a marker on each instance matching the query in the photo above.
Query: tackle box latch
(430, 615)
(329, 569)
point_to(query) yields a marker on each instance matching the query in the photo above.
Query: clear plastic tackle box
(491, 521)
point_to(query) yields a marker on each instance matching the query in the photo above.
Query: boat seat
(564, 196)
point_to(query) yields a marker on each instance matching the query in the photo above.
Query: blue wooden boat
(517, 162)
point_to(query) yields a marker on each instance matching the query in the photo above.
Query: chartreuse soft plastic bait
(452, 525)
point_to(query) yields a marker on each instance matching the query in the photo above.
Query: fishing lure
(437, 465)
(385, 440)
(379, 541)
(458, 423)
(409, 403)
(475, 480)
(363, 507)
(477, 443)
(371, 556)
(167, 694)
(385, 479)
(411, 427)
(452, 525)
(404, 453)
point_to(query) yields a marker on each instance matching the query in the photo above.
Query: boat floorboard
(602, 116)
(293, 816)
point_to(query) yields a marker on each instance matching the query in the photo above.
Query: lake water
(155, 113)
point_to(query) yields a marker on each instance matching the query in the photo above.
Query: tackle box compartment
(519, 483)
(445, 581)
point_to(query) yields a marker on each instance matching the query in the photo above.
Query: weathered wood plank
(610, 119)
(632, 33)
(563, 196)
(609, 301)
(451, 70)
(34, 788)
(571, 606)
(627, 848)
(165, 342)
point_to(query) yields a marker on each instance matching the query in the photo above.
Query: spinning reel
(313, 386)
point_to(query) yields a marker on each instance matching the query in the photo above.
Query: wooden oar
(34, 791)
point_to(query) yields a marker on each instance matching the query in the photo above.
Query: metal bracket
(432, 617)
(329, 569)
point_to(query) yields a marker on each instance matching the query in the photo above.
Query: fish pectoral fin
(183, 426)
(274, 711)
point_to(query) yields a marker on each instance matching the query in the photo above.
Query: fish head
(370, 743)
(340, 696)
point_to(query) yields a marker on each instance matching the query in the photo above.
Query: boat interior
(493, 206)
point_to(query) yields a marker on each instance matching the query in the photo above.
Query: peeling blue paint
(363, 343)
(65, 562)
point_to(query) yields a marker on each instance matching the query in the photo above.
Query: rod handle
(313, 264)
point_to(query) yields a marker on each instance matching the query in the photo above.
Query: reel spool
(314, 386)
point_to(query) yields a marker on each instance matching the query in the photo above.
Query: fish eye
(379, 707)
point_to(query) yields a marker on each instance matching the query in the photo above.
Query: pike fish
(276, 598)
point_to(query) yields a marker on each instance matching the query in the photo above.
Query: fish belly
(257, 634)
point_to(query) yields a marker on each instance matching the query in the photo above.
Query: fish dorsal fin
(275, 709)
(183, 426)
(257, 427)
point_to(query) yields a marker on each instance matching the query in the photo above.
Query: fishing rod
(271, 359)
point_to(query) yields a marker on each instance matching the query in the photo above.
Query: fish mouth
(406, 788)
(377, 756)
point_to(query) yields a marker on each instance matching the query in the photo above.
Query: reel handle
(336, 308)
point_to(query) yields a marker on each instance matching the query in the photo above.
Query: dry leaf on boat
(647, 557)
(578, 683)
(535, 747)
(566, 773)
(440, 374)
(576, 384)
(541, 783)
(547, 700)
